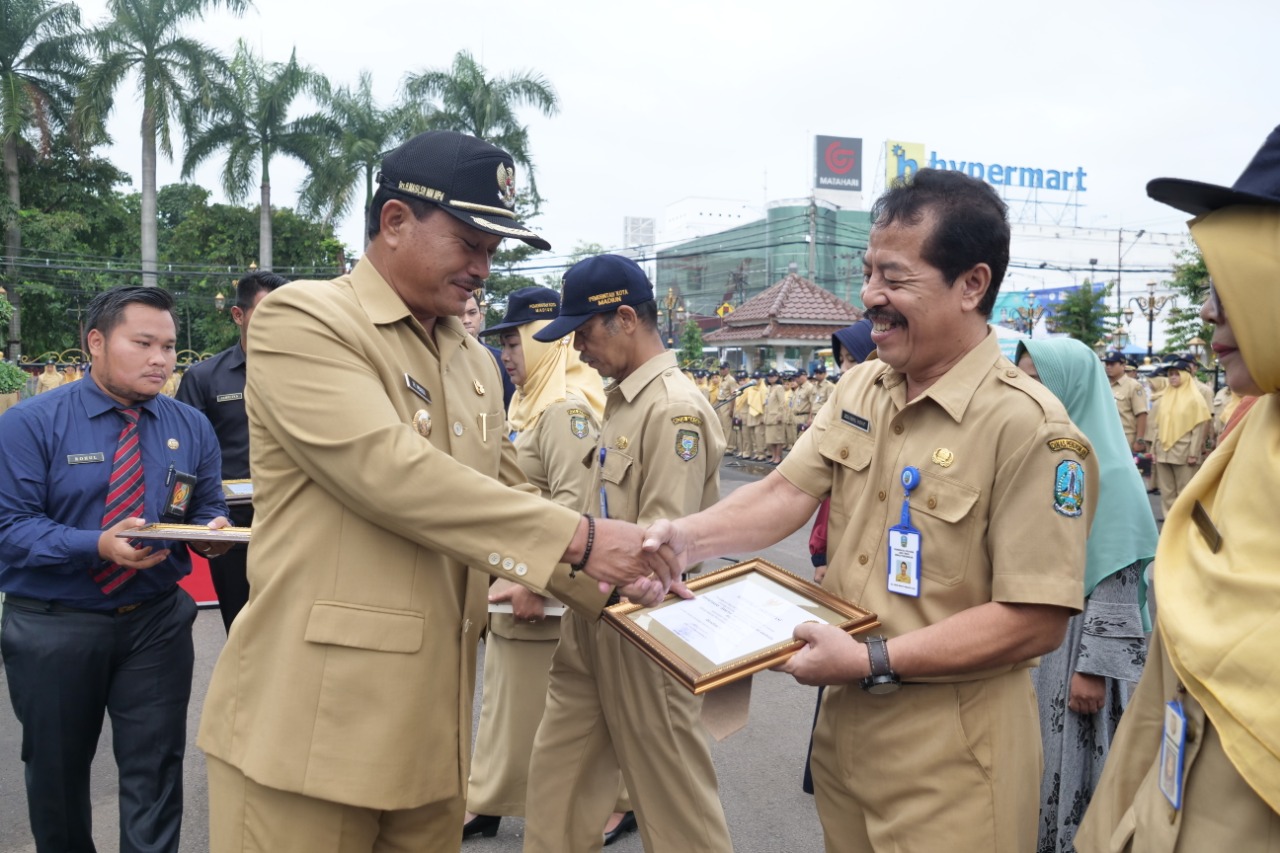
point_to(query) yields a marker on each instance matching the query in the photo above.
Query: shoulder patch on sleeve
(687, 419)
(1068, 488)
(688, 443)
(1077, 447)
(579, 425)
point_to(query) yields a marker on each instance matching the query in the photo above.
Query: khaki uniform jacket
(1189, 444)
(551, 455)
(662, 446)
(994, 449)
(1131, 401)
(349, 676)
(726, 389)
(47, 382)
(821, 393)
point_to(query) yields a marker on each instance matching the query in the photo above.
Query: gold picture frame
(700, 672)
(188, 533)
(236, 492)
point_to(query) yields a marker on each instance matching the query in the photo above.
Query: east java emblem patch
(687, 442)
(578, 426)
(1068, 488)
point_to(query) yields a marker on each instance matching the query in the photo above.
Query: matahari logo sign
(838, 163)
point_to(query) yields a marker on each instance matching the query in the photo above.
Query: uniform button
(508, 563)
(844, 453)
(932, 502)
(1012, 374)
(495, 558)
(457, 427)
(862, 559)
(883, 495)
(666, 373)
(522, 569)
(897, 429)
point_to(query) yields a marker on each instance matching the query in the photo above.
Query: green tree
(1191, 285)
(365, 131)
(1083, 314)
(40, 60)
(250, 119)
(691, 344)
(177, 79)
(472, 102)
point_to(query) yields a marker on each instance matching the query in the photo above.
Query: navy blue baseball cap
(527, 305)
(1114, 357)
(1259, 184)
(596, 285)
(464, 176)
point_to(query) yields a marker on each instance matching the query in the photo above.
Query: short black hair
(106, 310)
(971, 223)
(373, 218)
(261, 281)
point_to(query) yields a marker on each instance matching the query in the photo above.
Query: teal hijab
(1124, 528)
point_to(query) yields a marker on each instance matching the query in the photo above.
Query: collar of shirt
(234, 356)
(645, 373)
(384, 307)
(954, 389)
(96, 402)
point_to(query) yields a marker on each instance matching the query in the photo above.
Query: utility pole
(813, 237)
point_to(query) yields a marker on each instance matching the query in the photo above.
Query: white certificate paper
(733, 621)
(239, 488)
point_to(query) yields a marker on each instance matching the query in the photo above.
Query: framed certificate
(237, 491)
(739, 622)
(187, 533)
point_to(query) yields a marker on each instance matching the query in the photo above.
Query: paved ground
(759, 768)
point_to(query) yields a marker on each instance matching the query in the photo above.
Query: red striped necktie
(125, 495)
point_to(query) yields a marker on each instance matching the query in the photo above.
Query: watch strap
(878, 652)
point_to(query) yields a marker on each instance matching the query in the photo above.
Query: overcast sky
(664, 100)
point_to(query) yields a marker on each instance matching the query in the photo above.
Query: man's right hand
(113, 549)
(617, 559)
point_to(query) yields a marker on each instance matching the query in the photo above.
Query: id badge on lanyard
(1173, 747)
(904, 543)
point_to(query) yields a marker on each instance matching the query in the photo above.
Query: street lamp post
(1151, 305)
(674, 307)
(1024, 318)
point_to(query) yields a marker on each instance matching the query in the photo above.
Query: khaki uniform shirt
(775, 405)
(821, 393)
(551, 456)
(1007, 493)
(802, 403)
(47, 382)
(1131, 401)
(727, 388)
(662, 446)
(350, 674)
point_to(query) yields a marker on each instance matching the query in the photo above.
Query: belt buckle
(128, 608)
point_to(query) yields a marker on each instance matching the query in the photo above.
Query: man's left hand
(830, 656)
(214, 549)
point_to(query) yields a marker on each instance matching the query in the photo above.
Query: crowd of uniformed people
(991, 513)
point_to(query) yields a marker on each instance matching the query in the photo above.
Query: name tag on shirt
(855, 420)
(83, 458)
(1173, 744)
(227, 398)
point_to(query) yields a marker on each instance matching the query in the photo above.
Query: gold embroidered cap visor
(467, 177)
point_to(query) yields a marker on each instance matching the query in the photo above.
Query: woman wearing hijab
(1183, 419)
(1083, 687)
(554, 420)
(1196, 763)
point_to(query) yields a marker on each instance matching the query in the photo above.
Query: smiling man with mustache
(1002, 495)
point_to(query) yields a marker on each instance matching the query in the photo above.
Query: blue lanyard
(604, 498)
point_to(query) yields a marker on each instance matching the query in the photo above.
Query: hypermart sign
(903, 159)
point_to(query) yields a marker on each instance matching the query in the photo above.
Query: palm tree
(176, 75)
(483, 107)
(39, 62)
(366, 131)
(250, 120)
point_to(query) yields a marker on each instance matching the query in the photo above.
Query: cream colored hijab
(1220, 612)
(1181, 410)
(552, 373)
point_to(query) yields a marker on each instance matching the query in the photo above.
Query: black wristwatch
(882, 678)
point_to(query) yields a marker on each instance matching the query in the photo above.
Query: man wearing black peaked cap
(339, 713)
(610, 707)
